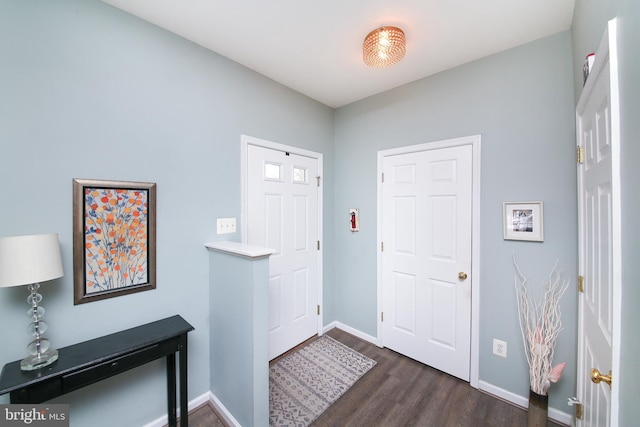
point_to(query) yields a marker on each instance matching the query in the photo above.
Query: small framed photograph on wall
(114, 238)
(523, 221)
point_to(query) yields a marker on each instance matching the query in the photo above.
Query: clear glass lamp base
(38, 361)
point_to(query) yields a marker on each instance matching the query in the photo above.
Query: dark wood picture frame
(114, 238)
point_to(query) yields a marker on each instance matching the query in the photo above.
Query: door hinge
(573, 401)
(381, 246)
(318, 180)
(580, 154)
(318, 244)
(382, 316)
(318, 309)
(581, 284)
(382, 176)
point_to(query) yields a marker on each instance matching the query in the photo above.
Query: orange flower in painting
(115, 238)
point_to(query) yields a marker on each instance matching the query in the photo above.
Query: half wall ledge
(240, 249)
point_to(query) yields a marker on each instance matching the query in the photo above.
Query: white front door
(283, 214)
(426, 257)
(598, 195)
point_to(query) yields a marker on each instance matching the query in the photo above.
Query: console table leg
(171, 390)
(184, 401)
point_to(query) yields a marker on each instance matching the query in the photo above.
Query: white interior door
(598, 195)
(282, 212)
(426, 257)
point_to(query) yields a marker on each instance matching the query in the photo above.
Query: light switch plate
(226, 225)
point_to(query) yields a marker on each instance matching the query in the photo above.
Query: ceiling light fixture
(384, 46)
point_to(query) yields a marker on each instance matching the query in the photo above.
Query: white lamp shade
(29, 259)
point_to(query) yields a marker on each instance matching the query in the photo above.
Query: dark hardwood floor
(399, 391)
(205, 416)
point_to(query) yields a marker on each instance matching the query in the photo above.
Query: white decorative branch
(540, 325)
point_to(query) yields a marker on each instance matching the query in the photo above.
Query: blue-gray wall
(589, 23)
(629, 44)
(629, 375)
(88, 91)
(521, 102)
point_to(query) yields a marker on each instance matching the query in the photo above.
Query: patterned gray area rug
(305, 383)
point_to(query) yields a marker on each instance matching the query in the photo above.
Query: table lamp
(30, 260)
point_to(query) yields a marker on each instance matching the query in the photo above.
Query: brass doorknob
(462, 275)
(597, 377)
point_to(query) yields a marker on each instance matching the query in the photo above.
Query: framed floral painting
(114, 238)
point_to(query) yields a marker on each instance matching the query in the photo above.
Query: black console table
(91, 361)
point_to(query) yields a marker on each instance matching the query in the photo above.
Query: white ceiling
(316, 47)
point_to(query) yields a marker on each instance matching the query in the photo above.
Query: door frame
(475, 142)
(607, 48)
(245, 141)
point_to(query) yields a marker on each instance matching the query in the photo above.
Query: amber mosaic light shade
(384, 46)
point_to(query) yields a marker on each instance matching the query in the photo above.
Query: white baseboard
(330, 326)
(226, 415)
(355, 332)
(164, 420)
(523, 402)
(193, 404)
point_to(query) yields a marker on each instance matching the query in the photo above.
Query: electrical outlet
(499, 348)
(226, 225)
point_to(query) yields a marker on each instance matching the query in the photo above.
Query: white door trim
(245, 141)
(475, 142)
